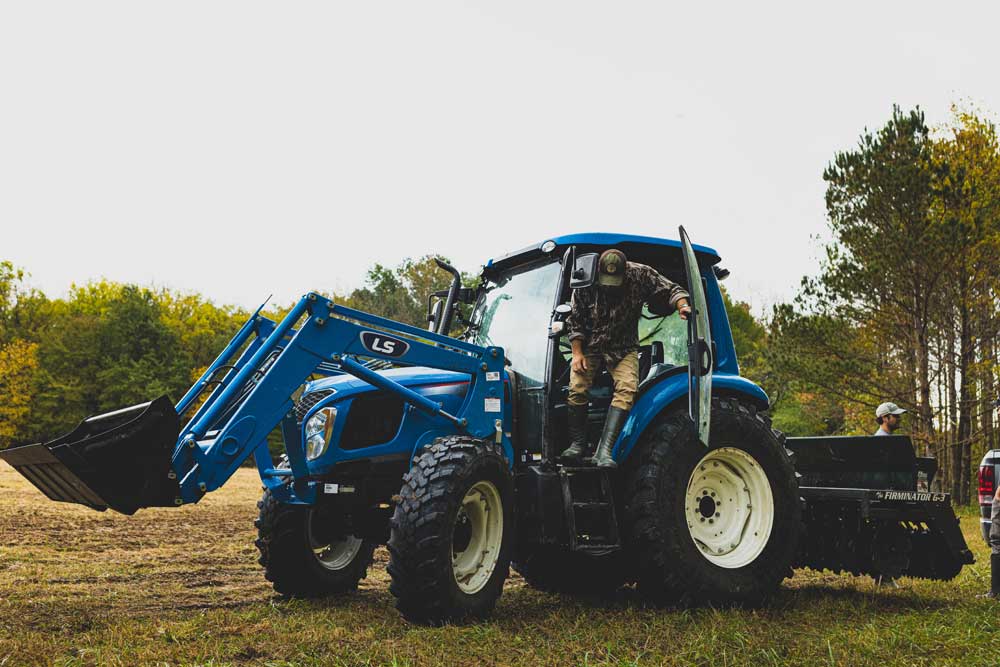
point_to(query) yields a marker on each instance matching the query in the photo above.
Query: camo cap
(611, 268)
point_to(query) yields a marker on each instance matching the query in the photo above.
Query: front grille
(374, 418)
(307, 402)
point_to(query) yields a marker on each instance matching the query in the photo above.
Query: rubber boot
(576, 426)
(612, 427)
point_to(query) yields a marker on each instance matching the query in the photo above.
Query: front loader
(161, 455)
(445, 449)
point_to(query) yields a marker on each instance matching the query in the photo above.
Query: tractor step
(590, 509)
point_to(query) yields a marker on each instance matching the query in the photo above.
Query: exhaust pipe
(118, 460)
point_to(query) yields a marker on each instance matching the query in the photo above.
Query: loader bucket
(118, 460)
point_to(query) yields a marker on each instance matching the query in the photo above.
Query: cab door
(700, 347)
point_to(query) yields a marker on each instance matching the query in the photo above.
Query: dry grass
(182, 587)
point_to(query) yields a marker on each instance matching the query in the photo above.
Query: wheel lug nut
(717, 514)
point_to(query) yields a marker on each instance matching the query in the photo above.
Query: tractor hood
(412, 376)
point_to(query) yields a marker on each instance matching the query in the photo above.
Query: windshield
(514, 314)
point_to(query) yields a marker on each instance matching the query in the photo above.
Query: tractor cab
(524, 300)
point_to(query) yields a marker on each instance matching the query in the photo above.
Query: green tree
(967, 203)
(401, 294)
(22, 308)
(202, 328)
(384, 293)
(749, 338)
(18, 362)
(905, 304)
(861, 330)
(889, 255)
(106, 347)
(22, 318)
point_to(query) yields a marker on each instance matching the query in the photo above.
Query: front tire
(452, 532)
(716, 525)
(300, 558)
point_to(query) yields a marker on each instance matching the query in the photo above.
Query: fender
(654, 400)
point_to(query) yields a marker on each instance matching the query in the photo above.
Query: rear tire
(298, 561)
(715, 525)
(452, 532)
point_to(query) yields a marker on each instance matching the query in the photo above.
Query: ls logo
(383, 344)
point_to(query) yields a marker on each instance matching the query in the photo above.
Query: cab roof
(592, 241)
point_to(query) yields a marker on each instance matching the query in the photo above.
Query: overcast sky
(241, 148)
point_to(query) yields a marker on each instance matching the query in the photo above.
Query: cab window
(513, 313)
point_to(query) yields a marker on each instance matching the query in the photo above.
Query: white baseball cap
(888, 409)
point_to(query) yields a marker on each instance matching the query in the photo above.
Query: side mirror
(434, 315)
(584, 271)
(564, 309)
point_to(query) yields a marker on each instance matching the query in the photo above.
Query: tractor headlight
(318, 430)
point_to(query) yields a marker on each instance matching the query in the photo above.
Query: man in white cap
(889, 417)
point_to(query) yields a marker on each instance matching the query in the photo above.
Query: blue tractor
(446, 450)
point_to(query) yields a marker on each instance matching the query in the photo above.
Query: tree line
(108, 345)
(903, 307)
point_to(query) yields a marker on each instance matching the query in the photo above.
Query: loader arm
(138, 457)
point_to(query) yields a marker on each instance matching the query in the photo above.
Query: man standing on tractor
(604, 330)
(889, 417)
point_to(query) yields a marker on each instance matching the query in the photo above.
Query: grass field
(182, 587)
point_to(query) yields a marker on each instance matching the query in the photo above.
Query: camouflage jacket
(607, 319)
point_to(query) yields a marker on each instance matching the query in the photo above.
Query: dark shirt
(607, 319)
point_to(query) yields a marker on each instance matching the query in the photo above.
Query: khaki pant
(625, 375)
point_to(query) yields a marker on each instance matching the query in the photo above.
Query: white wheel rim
(480, 518)
(334, 555)
(729, 507)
